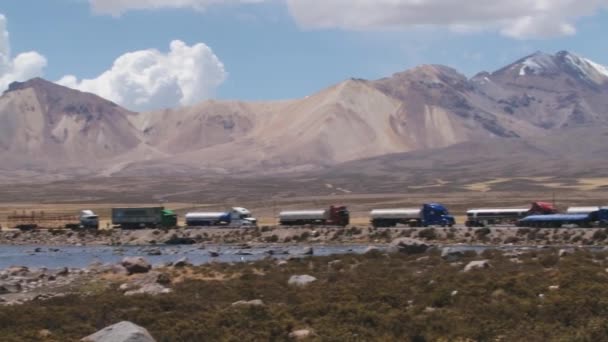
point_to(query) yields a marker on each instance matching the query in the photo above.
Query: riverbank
(414, 293)
(316, 235)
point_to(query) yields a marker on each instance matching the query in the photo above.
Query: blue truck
(598, 218)
(431, 214)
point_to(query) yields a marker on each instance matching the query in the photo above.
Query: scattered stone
(17, 270)
(255, 302)
(308, 251)
(214, 254)
(180, 240)
(371, 249)
(63, 272)
(150, 289)
(37, 250)
(408, 246)
(454, 293)
(285, 262)
(301, 280)
(450, 255)
(300, 334)
(44, 334)
(477, 264)
(121, 332)
(136, 265)
(553, 287)
(334, 263)
(155, 251)
(564, 252)
(182, 262)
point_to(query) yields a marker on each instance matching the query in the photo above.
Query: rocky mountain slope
(46, 128)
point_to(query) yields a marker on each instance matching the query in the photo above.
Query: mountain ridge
(45, 126)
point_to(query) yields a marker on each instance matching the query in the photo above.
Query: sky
(153, 54)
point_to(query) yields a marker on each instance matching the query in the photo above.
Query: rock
(449, 254)
(180, 240)
(214, 254)
(301, 280)
(4, 290)
(255, 302)
(477, 264)
(126, 287)
(564, 252)
(155, 251)
(371, 249)
(408, 246)
(182, 262)
(300, 334)
(136, 265)
(553, 287)
(308, 251)
(37, 250)
(17, 270)
(285, 262)
(63, 272)
(121, 332)
(149, 289)
(44, 334)
(334, 263)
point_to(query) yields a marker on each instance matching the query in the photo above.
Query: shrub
(428, 233)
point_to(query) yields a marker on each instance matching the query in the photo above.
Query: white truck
(88, 219)
(235, 217)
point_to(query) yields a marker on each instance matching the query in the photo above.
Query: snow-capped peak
(537, 63)
(542, 63)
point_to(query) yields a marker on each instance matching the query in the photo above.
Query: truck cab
(435, 214)
(339, 216)
(242, 217)
(89, 220)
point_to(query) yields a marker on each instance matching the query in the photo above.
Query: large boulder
(121, 332)
(136, 265)
(408, 246)
(301, 280)
(477, 264)
(450, 254)
(150, 289)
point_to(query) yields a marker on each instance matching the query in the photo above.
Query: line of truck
(539, 214)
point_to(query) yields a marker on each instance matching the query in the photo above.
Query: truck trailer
(597, 218)
(490, 216)
(145, 217)
(333, 216)
(431, 214)
(235, 217)
(41, 220)
(581, 210)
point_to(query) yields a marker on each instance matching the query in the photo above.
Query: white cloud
(514, 18)
(117, 7)
(23, 67)
(150, 79)
(520, 19)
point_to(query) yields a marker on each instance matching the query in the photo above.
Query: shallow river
(53, 257)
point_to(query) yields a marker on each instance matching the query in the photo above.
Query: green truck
(143, 217)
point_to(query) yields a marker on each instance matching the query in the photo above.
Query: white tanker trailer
(581, 210)
(236, 217)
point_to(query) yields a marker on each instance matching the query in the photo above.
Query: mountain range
(429, 112)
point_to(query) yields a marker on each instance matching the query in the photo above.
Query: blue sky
(268, 52)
